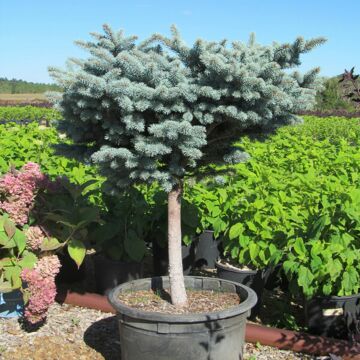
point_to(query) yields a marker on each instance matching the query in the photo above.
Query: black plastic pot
(161, 258)
(207, 250)
(157, 336)
(11, 304)
(110, 273)
(334, 316)
(275, 277)
(254, 279)
(69, 272)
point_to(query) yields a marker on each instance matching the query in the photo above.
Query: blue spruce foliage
(155, 110)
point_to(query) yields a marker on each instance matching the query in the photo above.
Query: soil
(53, 348)
(203, 301)
(279, 309)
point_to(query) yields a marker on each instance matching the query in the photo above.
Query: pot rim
(231, 269)
(243, 307)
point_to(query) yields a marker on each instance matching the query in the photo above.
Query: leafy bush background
(296, 200)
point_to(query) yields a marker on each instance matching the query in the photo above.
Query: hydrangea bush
(32, 231)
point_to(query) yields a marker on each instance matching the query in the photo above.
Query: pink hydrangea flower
(48, 266)
(40, 287)
(34, 237)
(42, 295)
(18, 190)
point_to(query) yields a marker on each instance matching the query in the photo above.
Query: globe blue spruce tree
(156, 110)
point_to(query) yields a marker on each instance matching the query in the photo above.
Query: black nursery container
(207, 250)
(161, 258)
(275, 277)
(110, 273)
(254, 279)
(334, 316)
(69, 272)
(159, 336)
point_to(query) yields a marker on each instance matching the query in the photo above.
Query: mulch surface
(201, 301)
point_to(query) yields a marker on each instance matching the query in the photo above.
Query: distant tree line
(14, 86)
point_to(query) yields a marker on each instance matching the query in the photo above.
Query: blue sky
(37, 33)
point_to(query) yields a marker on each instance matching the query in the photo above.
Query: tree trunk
(177, 285)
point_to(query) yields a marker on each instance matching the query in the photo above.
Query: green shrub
(332, 98)
(272, 204)
(326, 259)
(20, 144)
(28, 113)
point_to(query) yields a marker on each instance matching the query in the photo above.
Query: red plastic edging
(279, 338)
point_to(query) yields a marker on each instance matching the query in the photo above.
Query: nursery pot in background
(159, 336)
(333, 316)
(69, 272)
(11, 304)
(161, 258)
(254, 279)
(110, 273)
(275, 277)
(207, 250)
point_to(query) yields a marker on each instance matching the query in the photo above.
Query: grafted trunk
(177, 285)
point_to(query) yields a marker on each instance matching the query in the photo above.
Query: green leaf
(290, 266)
(77, 251)
(88, 214)
(305, 279)
(235, 252)
(317, 227)
(6, 287)
(28, 261)
(20, 240)
(9, 244)
(10, 228)
(299, 247)
(50, 244)
(106, 232)
(190, 215)
(316, 263)
(251, 226)
(219, 226)
(134, 246)
(244, 241)
(223, 194)
(60, 219)
(235, 231)
(334, 268)
(327, 289)
(13, 274)
(88, 183)
(254, 251)
(350, 282)
(187, 239)
(316, 248)
(3, 238)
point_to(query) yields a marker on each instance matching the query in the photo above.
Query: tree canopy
(158, 109)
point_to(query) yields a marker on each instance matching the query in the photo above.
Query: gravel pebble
(77, 333)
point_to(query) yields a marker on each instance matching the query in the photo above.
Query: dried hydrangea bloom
(41, 287)
(48, 266)
(18, 190)
(34, 237)
(42, 293)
